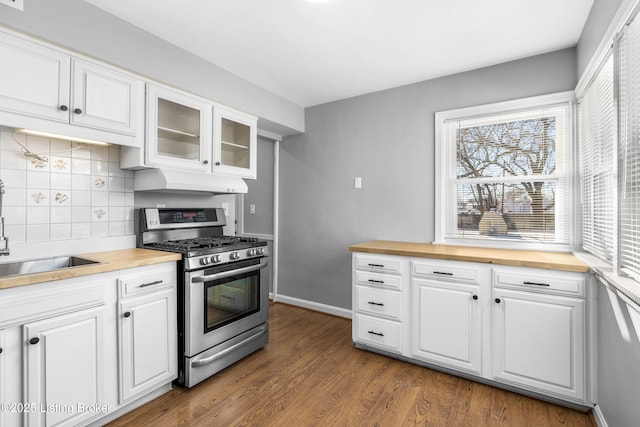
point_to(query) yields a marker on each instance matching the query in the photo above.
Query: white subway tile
(81, 166)
(60, 231)
(37, 179)
(12, 160)
(81, 214)
(99, 229)
(38, 215)
(15, 233)
(99, 198)
(37, 232)
(14, 178)
(80, 230)
(14, 215)
(60, 215)
(80, 198)
(80, 182)
(61, 181)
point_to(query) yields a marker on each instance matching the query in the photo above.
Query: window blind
(597, 136)
(508, 178)
(629, 150)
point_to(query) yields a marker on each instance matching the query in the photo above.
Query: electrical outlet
(357, 182)
(16, 4)
(252, 209)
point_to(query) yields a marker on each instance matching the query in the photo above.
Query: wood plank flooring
(310, 374)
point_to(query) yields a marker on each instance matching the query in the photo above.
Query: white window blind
(597, 136)
(629, 150)
(507, 177)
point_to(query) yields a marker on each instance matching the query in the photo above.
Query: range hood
(171, 180)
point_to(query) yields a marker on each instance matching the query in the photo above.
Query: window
(502, 174)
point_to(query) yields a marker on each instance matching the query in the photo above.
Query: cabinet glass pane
(178, 130)
(235, 144)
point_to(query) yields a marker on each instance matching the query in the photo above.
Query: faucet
(4, 241)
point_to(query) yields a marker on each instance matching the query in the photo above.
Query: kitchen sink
(42, 265)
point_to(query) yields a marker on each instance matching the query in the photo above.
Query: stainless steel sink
(41, 265)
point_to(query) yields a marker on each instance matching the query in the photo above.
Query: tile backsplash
(68, 191)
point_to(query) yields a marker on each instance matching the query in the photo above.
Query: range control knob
(235, 255)
(215, 259)
(262, 251)
(251, 252)
(204, 261)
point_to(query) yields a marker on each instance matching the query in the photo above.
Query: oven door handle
(213, 358)
(229, 273)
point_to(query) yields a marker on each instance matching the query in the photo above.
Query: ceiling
(316, 52)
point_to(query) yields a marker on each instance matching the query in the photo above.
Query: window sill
(629, 288)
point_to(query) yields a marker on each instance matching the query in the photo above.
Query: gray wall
(260, 192)
(618, 360)
(84, 28)
(387, 138)
(602, 12)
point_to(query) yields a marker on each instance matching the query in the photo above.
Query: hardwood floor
(311, 374)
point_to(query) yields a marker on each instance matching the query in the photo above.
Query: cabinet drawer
(536, 280)
(444, 270)
(378, 263)
(379, 301)
(137, 281)
(374, 279)
(379, 332)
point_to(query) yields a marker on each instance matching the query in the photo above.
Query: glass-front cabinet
(234, 143)
(178, 130)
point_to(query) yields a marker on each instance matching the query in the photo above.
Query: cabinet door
(104, 98)
(178, 130)
(147, 342)
(235, 143)
(64, 362)
(448, 326)
(538, 341)
(34, 80)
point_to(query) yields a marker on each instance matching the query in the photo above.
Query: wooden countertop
(537, 259)
(108, 261)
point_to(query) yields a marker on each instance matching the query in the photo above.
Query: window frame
(444, 207)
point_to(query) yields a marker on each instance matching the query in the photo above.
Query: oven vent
(172, 180)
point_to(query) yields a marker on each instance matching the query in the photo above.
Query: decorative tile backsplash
(65, 191)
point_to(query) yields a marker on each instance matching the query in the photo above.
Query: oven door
(223, 302)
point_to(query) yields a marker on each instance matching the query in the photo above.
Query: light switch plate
(357, 182)
(16, 4)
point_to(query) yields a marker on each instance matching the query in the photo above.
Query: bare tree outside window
(503, 172)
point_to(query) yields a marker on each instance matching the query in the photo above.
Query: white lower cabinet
(381, 302)
(69, 355)
(147, 342)
(65, 367)
(447, 326)
(539, 342)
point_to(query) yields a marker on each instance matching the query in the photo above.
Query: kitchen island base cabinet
(524, 329)
(65, 368)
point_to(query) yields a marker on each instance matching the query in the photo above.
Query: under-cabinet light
(59, 136)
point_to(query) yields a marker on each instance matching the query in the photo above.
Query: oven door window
(230, 299)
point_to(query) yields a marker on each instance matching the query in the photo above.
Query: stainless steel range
(223, 291)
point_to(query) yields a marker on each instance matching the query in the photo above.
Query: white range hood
(171, 180)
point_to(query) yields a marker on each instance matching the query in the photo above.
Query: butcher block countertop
(108, 261)
(536, 259)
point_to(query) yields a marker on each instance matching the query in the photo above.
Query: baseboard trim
(311, 305)
(599, 416)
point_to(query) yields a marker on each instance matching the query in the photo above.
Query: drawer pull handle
(376, 281)
(443, 273)
(157, 282)
(537, 284)
(376, 265)
(380, 334)
(376, 303)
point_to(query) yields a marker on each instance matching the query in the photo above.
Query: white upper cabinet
(34, 80)
(48, 90)
(178, 130)
(105, 99)
(234, 143)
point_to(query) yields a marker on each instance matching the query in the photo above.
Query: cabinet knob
(77, 111)
(63, 108)
(127, 314)
(217, 163)
(0, 350)
(34, 340)
(206, 162)
(498, 300)
(475, 297)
